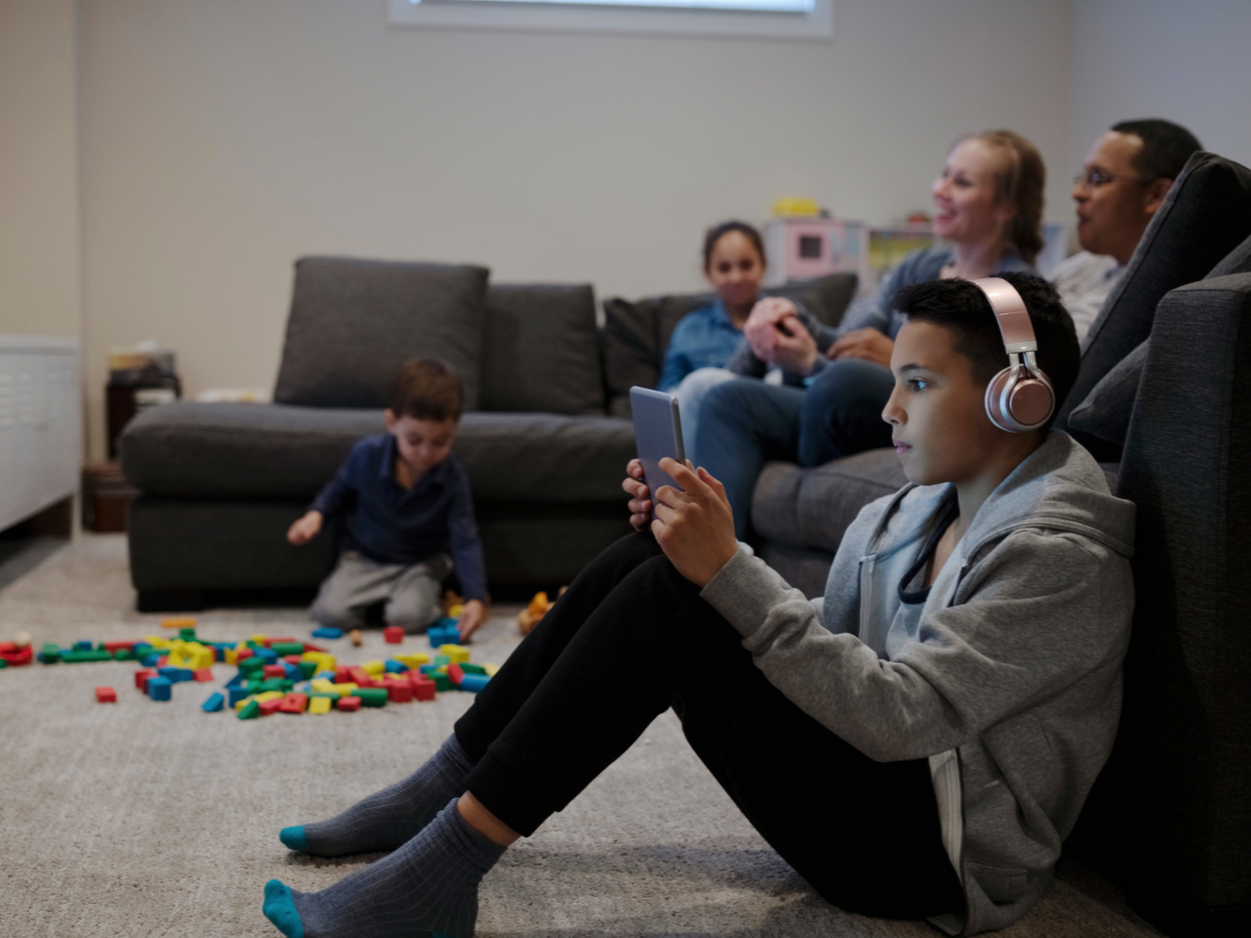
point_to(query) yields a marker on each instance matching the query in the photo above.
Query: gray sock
(388, 819)
(429, 886)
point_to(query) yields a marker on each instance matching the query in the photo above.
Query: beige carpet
(149, 819)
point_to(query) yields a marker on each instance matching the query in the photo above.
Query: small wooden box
(106, 497)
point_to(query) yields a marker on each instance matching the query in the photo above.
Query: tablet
(657, 434)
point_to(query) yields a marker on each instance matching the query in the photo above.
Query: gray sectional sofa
(545, 438)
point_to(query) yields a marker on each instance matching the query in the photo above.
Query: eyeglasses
(1095, 178)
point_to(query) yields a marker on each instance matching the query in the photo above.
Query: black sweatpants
(631, 638)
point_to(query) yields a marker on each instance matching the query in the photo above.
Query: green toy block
(371, 696)
(255, 686)
(123, 654)
(308, 669)
(472, 668)
(3, 664)
(187, 635)
(441, 681)
(323, 693)
(282, 649)
(251, 710)
(251, 666)
(51, 653)
(440, 660)
(77, 657)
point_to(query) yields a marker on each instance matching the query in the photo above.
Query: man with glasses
(1126, 176)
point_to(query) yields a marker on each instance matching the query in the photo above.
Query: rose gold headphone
(1020, 398)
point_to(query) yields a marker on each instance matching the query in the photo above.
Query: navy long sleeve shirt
(390, 524)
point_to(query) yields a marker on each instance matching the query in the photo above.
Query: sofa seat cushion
(811, 508)
(251, 450)
(354, 322)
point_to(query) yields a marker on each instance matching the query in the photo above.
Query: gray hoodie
(1009, 683)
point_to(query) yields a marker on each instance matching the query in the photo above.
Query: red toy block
(162, 661)
(399, 691)
(113, 647)
(343, 675)
(455, 673)
(360, 677)
(292, 659)
(106, 695)
(141, 678)
(309, 646)
(244, 654)
(15, 656)
(349, 704)
(271, 706)
(203, 674)
(393, 634)
(424, 690)
(294, 703)
(274, 670)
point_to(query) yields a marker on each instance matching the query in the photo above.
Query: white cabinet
(40, 424)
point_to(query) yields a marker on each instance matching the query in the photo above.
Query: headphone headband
(1010, 312)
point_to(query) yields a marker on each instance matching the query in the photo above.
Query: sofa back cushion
(540, 350)
(1204, 217)
(636, 334)
(354, 322)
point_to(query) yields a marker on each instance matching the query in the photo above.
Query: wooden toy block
(114, 646)
(470, 668)
(317, 649)
(454, 652)
(355, 636)
(424, 690)
(342, 674)
(250, 710)
(269, 707)
(178, 622)
(441, 681)
(258, 638)
(399, 692)
(322, 685)
(361, 676)
(372, 696)
(123, 654)
(16, 655)
(251, 666)
(157, 641)
(202, 674)
(414, 661)
(51, 653)
(393, 634)
(265, 654)
(344, 689)
(455, 674)
(474, 682)
(443, 634)
(375, 667)
(274, 670)
(282, 649)
(327, 632)
(159, 688)
(320, 705)
(231, 656)
(307, 669)
(187, 634)
(106, 695)
(294, 703)
(441, 661)
(141, 678)
(349, 704)
(214, 704)
(293, 658)
(456, 611)
(396, 667)
(235, 695)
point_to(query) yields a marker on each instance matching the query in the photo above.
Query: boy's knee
(333, 611)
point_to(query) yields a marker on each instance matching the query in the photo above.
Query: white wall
(39, 249)
(221, 140)
(1187, 62)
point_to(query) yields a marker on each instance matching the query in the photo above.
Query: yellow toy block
(323, 685)
(232, 656)
(178, 622)
(259, 638)
(413, 661)
(490, 669)
(455, 611)
(343, 690)
(323, 661)
(156, 641)
(190, 655)
(457, 653)
(319, 705)
(375, 667)
(269, 695)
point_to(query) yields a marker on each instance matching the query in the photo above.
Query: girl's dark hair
(427, 389)
(964, 309)
(717, 232)
(1019, 179)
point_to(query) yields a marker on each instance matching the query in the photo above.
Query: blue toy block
(473, 682)
(428, 668)
(235, 694)
(214, 704)
(160, 688)
(239, 680)
(327, 632)
(328, 675)
(443, 634)
(141, 648)
(395, 667)
(293, 671)
(268, 655)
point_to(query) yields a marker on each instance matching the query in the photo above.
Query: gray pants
(412, 592)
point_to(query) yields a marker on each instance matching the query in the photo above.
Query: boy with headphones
(917, 743)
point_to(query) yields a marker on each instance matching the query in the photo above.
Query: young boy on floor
(916, 745)
(406, 504)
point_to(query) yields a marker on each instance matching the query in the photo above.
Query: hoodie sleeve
(1035, 614)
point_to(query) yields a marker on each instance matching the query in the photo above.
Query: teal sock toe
(293, 837)
(279, 908)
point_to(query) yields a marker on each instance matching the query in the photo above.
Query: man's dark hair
(427, 389)
(1165, 146)
(963, 308)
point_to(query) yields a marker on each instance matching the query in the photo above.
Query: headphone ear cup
(1019, 405)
